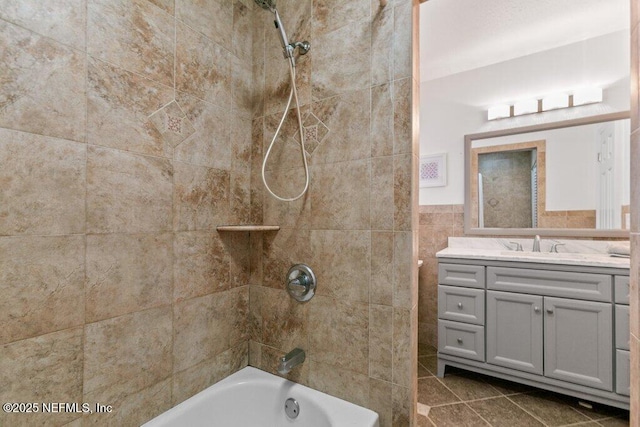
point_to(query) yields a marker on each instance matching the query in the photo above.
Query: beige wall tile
(47, 97)
(237, 247)
(381, 342)
(281, 322)
(43, 182)
(382, 193)
(382, 120)
(402, 184)
(201, 265)
(341, 261)
(402, 110)
(382, 64)
(126, 354)
(203, 69)
(120, 104)
(257, 193)
(42, 285)
(134, 409)
(404, 265)
(210, 145)
(437, 223)
(285, 153)
(403, 408)
(286, 183)
(127, 273)
(402, 39)
(241, 87)
(242, 35)
(166, 5)
(198, 377)
(344, 384)
(340, 195)
(212, 18)
(127, 192)
(62, 20)
(207, 326)
(382, 268)
(133, 34)
(347, 118)
(330, 15)
(402, 355)
(380, 401)
(281, 251)
(340, 334)
(49, 369)
(201, 197)
(342, 70)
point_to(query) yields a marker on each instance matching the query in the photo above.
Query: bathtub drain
(291, 408)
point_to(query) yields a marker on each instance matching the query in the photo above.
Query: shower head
(271, 6)
(267, 4)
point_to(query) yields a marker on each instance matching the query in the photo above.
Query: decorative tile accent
(315, 132)
(172, 123)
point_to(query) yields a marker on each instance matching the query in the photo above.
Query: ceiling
(462, 35)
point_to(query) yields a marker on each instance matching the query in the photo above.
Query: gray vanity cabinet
(514, 331)
(578, 343)
(563, 328)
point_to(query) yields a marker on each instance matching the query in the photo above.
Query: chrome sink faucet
(536, 243)
(290, 360)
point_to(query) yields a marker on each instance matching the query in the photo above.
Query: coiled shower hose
(293, 94)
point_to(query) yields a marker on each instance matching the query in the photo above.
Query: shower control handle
(301, 282)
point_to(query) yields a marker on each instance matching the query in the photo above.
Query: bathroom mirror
(483, 55)
(569, 177)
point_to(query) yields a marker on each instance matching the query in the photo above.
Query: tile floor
(465, 399)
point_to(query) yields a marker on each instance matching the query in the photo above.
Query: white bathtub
(254, 398)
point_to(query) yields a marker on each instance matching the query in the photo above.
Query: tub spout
(290, 360)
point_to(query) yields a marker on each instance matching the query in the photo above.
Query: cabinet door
(514, 331)
(579, 342)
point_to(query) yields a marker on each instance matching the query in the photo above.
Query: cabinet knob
(536, 309)
(459, 340)
(550, 310)
(460, 305)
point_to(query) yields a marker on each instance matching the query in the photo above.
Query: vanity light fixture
(499, 112)
(588, 95)
(551, 102)
(525, 107)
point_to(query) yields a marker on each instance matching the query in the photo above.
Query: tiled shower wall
(354, 226)
(437, 224)
(125, 132)
(129, 129)
(635, 214)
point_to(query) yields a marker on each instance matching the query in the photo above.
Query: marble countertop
(573, 252)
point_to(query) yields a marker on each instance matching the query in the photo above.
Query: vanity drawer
(461, 339)
(586, 286)
(461, 304)
(623, 372)
(622, 289)
(470, 276)
(622, 327)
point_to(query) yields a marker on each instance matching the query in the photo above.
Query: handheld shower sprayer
(289, 50)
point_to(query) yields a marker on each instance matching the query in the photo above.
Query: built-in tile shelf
(248, 228)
